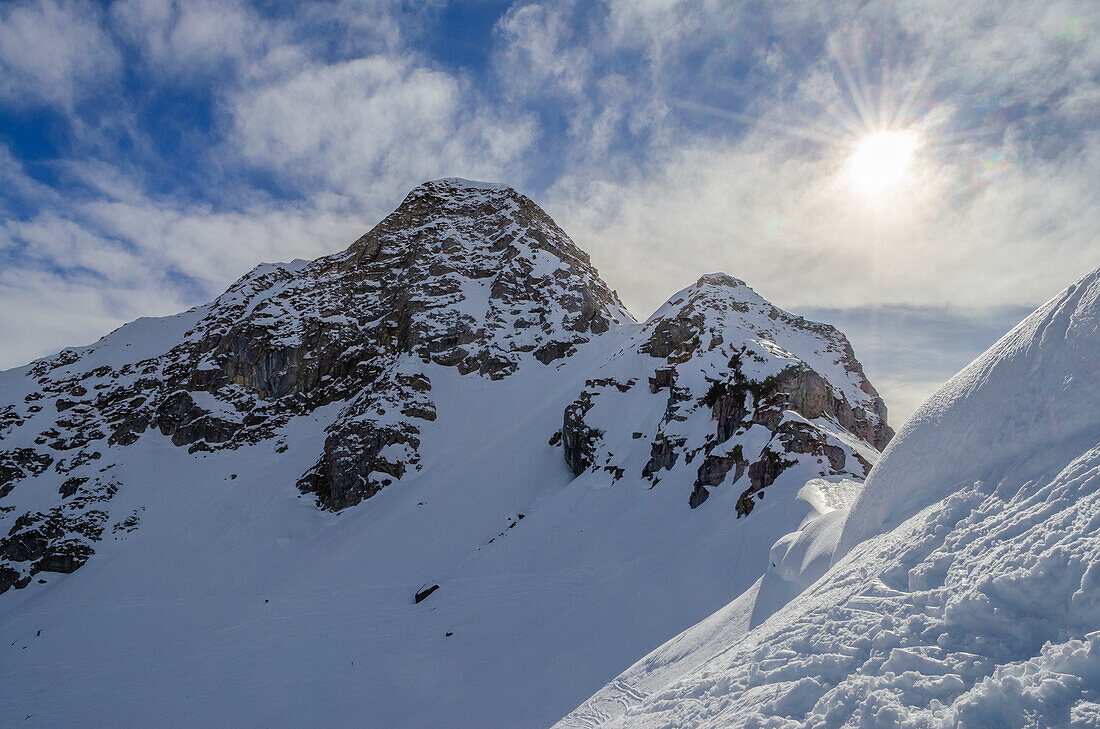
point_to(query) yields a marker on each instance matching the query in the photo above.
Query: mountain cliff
(447, 450)
(776, 390)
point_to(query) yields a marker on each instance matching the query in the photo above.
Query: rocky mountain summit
(745, 389)
(717, 390)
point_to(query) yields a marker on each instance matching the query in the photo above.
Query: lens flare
(993, 165)
(881, 161)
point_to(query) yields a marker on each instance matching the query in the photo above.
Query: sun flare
(881, 161)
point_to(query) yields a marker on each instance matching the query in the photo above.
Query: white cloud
(211, 248)
(540, 55)
(552, 56)
(55, 242)
(371, 126)
(85, 263)
(241, 45)
(1003, 208)
(42, 313)
(184, 38)
(659, 28)
(54, 52)
(784, 222)
(83, 270)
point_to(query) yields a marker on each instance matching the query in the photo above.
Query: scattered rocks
(20, 463)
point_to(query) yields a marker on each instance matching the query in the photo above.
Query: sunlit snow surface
(237, 603)
(973, 602)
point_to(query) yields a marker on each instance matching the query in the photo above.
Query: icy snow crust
(218, 594)
(975, 601)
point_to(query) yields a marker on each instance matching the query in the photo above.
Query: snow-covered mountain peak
(746, 389)
(490, 258)
(499, 437)
(723, 315)
(461, 275)
(450, 195)
(719, 279)
(462, 183)
(506, 224)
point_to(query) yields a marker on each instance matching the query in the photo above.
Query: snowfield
(238, 603)
(965, 589)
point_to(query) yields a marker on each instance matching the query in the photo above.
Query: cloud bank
(152, 151)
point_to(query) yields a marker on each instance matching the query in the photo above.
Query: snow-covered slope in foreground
(975, 599)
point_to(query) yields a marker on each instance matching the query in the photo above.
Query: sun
(881, 162)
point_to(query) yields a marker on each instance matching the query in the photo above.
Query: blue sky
(151, 151)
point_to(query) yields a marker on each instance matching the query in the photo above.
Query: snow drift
(1016, 408)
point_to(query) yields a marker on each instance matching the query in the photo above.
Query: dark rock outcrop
(698, 495)
(20, 463)
(578, 440)
(55, 541)
(423, 594)
(719, 356)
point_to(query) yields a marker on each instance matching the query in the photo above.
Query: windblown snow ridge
(1011, 409)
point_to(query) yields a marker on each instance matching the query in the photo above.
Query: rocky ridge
(466, 276)
(748, 390)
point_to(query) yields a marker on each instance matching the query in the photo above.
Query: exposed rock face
(746, 387)
(372, 443)
(464, 275)
(20, 463)
(469, 277)
(57, 540)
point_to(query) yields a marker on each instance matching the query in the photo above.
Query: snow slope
(222, 518)
(238, 603)
(1036, 390)
(973, 599)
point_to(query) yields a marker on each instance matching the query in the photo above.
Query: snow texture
(1036, 390)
